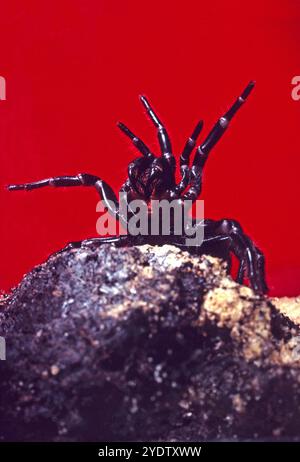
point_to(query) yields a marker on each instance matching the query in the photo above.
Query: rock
(290, 306)
(146, 344)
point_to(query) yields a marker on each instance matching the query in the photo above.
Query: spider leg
(163, 137)
(195, 182)
(138, 143)
(220, 127)
(244, 249)
(133, 168)
(82, 179)
(128, 189)
(210, 141)
(175, 192)
(260, 262)
(241, 272)
(190, 144)
(218, 246)
(95, 241)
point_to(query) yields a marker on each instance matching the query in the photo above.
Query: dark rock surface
(145, 344)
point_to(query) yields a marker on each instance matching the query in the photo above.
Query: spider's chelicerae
(151, 177)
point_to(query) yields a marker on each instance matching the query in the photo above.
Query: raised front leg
(138, 143)
(176, 192)
(162, 134)
(210, 141)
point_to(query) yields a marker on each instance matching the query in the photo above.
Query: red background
(75, 67)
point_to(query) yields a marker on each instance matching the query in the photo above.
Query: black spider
(154, 177)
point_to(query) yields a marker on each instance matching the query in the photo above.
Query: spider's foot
(16, 187)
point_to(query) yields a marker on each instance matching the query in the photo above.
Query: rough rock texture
(147, 344)
(290, 306)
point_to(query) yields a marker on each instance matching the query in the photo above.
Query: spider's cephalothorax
(151, 177)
